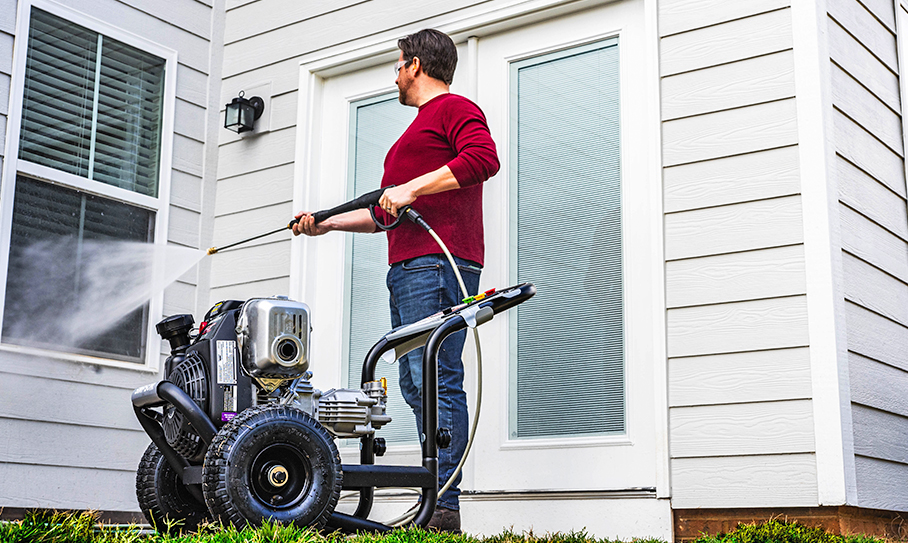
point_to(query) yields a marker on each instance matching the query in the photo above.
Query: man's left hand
(395, 198)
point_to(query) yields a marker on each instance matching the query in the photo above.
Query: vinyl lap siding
(735, 281)
(70, 439)
(7, 37)
(874, 227)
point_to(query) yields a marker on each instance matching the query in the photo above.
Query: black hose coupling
(416, 218)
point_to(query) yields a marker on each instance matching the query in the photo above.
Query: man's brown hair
(436, 51)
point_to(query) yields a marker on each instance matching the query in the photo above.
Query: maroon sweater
(448, 130)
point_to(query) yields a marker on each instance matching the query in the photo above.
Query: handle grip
(364, 201)
(369, 200)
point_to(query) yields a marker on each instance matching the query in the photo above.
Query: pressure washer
(240, 435)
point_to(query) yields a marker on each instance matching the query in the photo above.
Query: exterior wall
(870, 174)
(741, 415)
(70, 439)
(779, 205)
(751, 378)
(7, 38)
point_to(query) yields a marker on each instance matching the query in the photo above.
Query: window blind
(375, 125)
(567, 369)
(92, 106)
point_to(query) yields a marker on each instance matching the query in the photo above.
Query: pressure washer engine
(240, 435)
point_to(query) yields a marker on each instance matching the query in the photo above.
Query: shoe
(445, 520)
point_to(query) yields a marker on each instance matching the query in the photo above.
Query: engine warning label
(226, 362)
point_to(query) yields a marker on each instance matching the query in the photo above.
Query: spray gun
(368, 200)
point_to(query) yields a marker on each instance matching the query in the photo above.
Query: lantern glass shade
(242, 113)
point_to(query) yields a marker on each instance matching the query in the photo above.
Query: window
(87, 168)
(375, 124)
(91, 106)
(567, 353)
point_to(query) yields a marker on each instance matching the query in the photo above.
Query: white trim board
(471, 22)
(823, 257)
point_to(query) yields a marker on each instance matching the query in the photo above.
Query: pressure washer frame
(366, 476)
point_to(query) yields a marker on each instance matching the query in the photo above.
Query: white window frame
(13, 166)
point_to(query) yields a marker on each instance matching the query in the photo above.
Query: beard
(403, 94)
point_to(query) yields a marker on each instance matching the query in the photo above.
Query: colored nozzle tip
(212, 250)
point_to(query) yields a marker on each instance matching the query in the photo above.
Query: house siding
(870, 176)
(70, 438)
(7, 38)
(735, 267)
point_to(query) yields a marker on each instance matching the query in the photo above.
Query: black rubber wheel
(272, 462)
(164, 498)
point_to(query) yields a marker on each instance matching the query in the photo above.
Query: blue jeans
(421, 287)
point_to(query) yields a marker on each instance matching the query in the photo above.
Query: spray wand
(213, 250)
(368, 200)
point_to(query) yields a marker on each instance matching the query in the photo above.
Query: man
(439, 165)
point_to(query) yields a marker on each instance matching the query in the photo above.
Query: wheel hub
(280, 475)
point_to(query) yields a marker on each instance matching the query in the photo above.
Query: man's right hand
(307, 226)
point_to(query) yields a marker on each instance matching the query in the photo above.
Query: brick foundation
(691, 523)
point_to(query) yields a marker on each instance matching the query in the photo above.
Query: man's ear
(416, 63)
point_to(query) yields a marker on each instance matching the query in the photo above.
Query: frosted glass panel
(567, 375)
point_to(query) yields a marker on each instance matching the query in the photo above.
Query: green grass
(778, 531)
(47, 527)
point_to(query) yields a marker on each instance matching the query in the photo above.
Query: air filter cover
(273, 336)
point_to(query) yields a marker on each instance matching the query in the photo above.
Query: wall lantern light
(242, 113)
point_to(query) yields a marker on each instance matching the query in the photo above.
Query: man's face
(404, 83)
